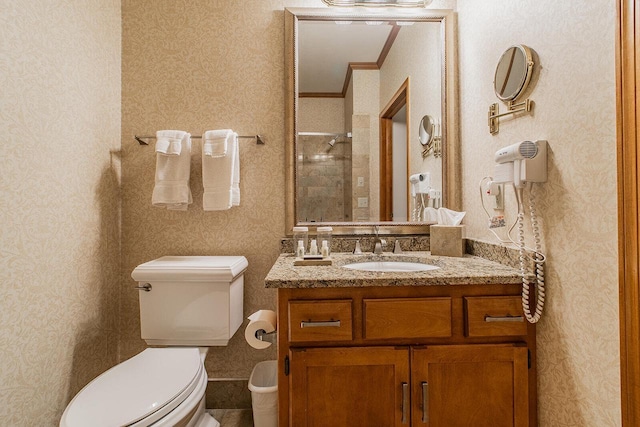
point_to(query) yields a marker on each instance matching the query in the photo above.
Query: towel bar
(141, 139)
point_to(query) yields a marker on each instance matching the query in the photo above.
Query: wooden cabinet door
(349, 387)
(470, 385)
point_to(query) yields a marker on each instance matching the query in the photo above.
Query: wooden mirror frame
(628, 147)
(451, 196)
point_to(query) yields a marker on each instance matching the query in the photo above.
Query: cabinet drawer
(494, 316)
(320, 320)
(407, 318)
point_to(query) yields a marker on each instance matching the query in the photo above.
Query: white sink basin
(396, 266)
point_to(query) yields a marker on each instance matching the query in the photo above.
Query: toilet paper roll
(265, 320)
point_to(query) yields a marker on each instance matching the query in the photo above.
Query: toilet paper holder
(262, 324)
(261, 334)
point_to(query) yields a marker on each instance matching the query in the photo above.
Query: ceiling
(326, 48)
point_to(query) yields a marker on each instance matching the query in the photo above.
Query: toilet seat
(138, 391)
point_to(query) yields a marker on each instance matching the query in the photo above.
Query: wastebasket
(263, 384)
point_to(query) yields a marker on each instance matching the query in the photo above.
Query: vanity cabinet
(436, 356)
(350, 386)
(470, 385)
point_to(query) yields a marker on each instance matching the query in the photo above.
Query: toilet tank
(192, 300)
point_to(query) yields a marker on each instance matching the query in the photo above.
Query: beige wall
(321, 115)
(416, 55)
(365, 149)
(578, 348)
(59, 202)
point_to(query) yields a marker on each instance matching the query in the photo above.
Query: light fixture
(377, 3)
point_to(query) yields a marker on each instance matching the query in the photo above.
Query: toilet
(187, 304)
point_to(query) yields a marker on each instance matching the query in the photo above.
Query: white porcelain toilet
(186, 304)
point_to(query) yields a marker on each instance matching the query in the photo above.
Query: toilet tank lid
(191, 269)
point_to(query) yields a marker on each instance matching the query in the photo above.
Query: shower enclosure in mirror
(359, 84)
(323, 177)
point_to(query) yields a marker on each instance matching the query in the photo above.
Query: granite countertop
(467, 270)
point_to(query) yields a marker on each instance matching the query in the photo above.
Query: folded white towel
(215, 142)
(172, 190)
(169, 142)
(221, 178)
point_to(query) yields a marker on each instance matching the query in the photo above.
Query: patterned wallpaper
(59, 202)
(321, 115)
(578, 346)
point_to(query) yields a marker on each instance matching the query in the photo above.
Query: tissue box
(447, 240)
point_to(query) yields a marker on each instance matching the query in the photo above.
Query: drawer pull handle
(425, 402)
(405, 401)
(488, 318)
(321, 324)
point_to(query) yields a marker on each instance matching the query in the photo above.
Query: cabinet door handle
(425, 402)
(488, 318)
(405, 401)
(322, 324)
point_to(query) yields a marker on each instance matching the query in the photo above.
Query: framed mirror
(354, 81)
(513, 73)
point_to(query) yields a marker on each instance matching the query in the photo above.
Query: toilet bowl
(157, 387)
(186, 305)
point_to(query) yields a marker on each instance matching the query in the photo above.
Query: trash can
(263, 385)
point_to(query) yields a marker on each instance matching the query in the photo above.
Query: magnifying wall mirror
(357, 82)
(426, 131)
(429, 137)
(513, 73)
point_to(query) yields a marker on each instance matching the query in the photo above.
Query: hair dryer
(522, 162)
(420, 183)
(519, 164)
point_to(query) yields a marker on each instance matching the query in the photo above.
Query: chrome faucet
(378, 243)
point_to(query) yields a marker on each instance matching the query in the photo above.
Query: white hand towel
(215, 142)
(221, 178)
(169, 142)
(172, 190)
